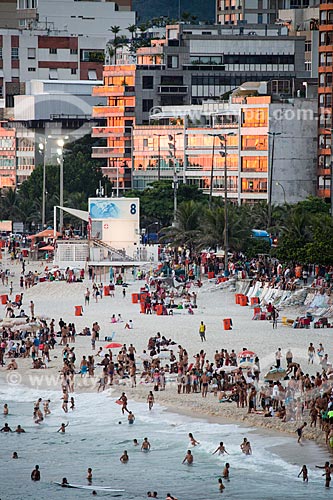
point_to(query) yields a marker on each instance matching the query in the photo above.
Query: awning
(80, 214)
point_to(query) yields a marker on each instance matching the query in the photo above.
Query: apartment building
(7, 157)
(192, 64)
(63, 43)
(325, 104)
(270, 147)
(255, 11)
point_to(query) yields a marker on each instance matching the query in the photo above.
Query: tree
(132, 29)
(185, 231)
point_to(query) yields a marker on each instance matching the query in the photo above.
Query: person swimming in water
(145, 445)
(221, 485)
(62, 428)
(246, 447)
(188, 458)
(193, 441)
(226, 471)
(124, 457)
(304, 472)
(89, 475)
(220, 449)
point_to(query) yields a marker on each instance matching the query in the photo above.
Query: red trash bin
(159, 310)
(227, 323)
(106, 291)
(243, 300)
(254, 300)
(135, 298)
(78, 310)
(211, 275)
(24, 252)
(4, 299)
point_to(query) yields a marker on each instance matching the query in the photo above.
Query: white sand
(57, 299)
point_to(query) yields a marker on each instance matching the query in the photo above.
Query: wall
(294, 165)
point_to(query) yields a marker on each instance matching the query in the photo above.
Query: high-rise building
(192, 64)
(7, 157)
(255, 11)
(119, 113)
(325, 101)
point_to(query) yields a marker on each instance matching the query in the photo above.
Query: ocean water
(94, 438)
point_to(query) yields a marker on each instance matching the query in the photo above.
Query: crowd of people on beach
(289, 394)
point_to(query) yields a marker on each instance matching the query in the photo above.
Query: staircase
(113, 253)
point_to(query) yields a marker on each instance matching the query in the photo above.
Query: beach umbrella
(275, 375)
(227, 369)
(20, 321)
(246, 354)
(162, 355)
(144, 357)
(113, 345)
(248, 364)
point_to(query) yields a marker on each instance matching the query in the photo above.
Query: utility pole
(270, 177)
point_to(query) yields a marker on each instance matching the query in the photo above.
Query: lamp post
(42, 149)
(60, 152)
(284, 191)
(224, 153)
(172, 154)
(221, 137)
(159, 156)
(270, 177)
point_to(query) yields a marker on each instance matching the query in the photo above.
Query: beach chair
(110, 338)
(284, 320)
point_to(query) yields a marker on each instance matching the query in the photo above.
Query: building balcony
(105, 111)
(172, 89)
(26, 13)
(107, 91)
(324, 193)
(322, 171)
(105, 152)
(111, 132)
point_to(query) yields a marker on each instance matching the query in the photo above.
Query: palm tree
(132, 29)
(115, 30)
(110, 52)
(185, 231)
(213, 228)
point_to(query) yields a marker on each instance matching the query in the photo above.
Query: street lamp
(284, 191)
(221, 137)
(224, 154)
(60, 152)
(159, 156)
(172, 153)
(270, 177)
(42, 150)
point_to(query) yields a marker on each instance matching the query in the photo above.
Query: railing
(99, 152)
(172, 89)
(106, 90)
(111, 131)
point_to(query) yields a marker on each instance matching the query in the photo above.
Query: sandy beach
(58, 299)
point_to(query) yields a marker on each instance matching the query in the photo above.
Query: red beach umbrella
(113, 345)
(246, 354)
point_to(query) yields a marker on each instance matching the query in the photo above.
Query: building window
(308, 46)
(1, 90)
(53, 74)
(15, 53)
(147, 105)
(254, 164)
(92, 75)
(73, 51)
(31, 53)
(73, 71)
(308, 65)
(31, 69)
(147, 82)
(173, 62)
(0, 53)
(53, 51)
